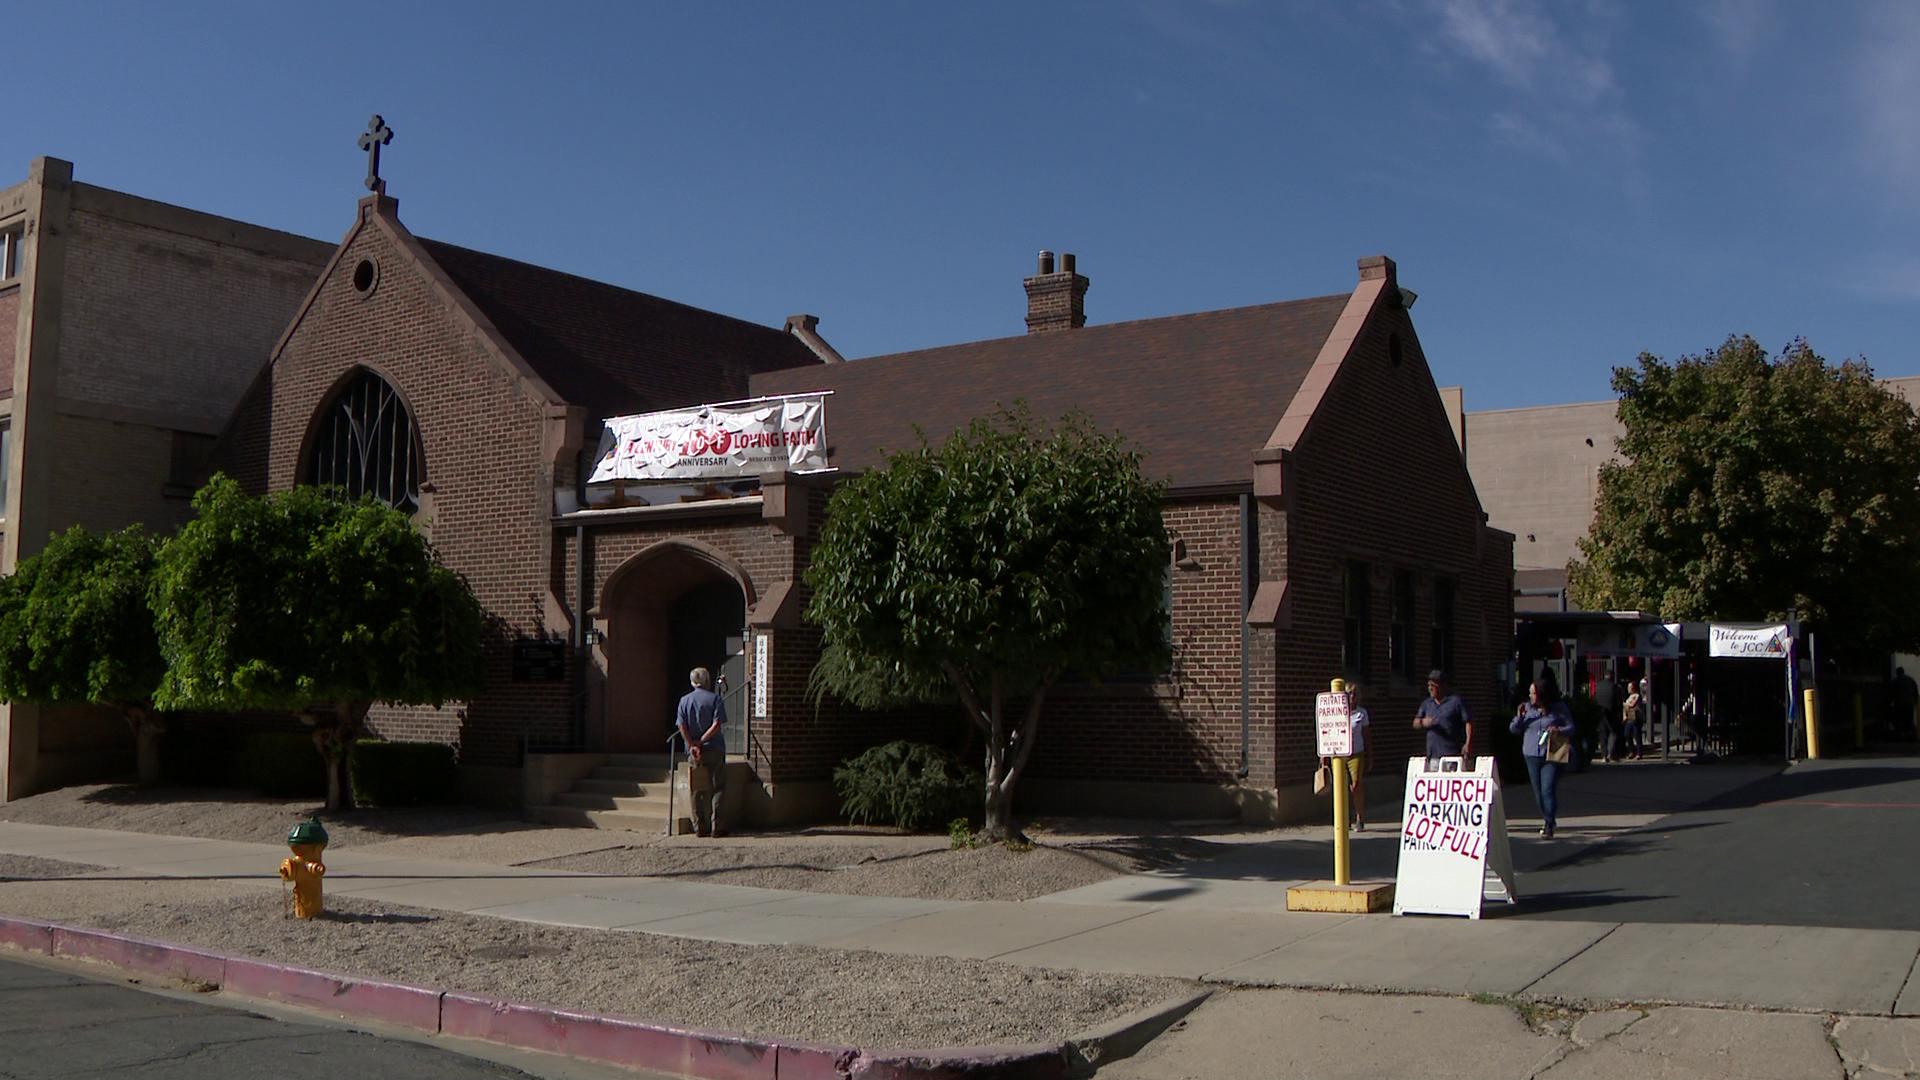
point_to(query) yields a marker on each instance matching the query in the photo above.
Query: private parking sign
(1333, 715)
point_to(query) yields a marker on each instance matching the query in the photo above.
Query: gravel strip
(228, 815)
(32, 868)
(827, 995)
(929, 871)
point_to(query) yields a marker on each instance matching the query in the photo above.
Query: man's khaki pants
(708, 787)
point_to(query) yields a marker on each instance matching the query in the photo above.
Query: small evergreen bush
(403, 773)
(912, 785)
(283, 764)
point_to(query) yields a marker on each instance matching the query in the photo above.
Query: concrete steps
(625, 791)
(629, 803)
(654, 820)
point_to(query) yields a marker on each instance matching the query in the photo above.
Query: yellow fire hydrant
(307, 839)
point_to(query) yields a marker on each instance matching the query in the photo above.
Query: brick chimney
(1056, 300)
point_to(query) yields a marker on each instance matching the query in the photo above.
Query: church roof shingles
(1196, 394)
(613, 350)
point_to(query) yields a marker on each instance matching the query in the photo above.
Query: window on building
(6, 459)
(1400, 629)
(187, 468)
(1443, 624)
(9, 254)
(1356, 644)
(366, 443)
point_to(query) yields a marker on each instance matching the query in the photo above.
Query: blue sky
(1565, 184)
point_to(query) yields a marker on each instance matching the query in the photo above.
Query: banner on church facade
(738, 438)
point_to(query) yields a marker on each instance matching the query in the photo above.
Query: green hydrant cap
(309, 831)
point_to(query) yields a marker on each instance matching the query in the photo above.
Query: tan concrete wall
(1538, 471)
(109, 475)
(170, 311)
(135, 329)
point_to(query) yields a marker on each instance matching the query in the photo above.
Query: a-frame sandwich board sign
(1454, 851)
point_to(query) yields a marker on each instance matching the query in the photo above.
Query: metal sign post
(1333, 730)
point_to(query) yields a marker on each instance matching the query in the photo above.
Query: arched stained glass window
(367, 445)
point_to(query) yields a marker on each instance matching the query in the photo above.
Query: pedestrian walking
(1905, 696)
(1545, 726)
(1630, 722)
(1443, 716)
(702, 719)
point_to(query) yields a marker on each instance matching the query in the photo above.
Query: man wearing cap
(1443, 716)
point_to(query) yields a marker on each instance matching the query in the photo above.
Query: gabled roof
(1197, 394)
(612, 350)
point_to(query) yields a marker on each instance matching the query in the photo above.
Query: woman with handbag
(1545, 726)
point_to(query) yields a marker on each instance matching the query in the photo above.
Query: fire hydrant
(307, 839)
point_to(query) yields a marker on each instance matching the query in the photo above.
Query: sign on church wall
(745, 438)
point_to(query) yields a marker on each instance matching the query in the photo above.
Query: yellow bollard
(1813, 725)
(1859, 723)
(1342, 855)
(308, 840)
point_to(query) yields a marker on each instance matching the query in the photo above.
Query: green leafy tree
(306, 600)
(1751, 485)
(75, 629)
(994, 565)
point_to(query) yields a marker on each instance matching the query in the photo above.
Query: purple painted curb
(393, 1003)
(709, 1055)
(1036, 1062)
(27, 935)
(138, 954)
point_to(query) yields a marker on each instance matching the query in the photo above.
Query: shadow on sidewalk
(1570, 900)
(1812, 778)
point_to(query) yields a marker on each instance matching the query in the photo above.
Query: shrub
(283, 764)
(912, 785)
(403, 773)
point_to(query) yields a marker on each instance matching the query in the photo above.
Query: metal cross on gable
(378, 134)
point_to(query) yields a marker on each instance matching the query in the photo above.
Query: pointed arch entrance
(671, 608)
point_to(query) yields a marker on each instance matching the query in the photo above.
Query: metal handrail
(673, 782)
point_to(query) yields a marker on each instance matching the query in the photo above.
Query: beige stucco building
(129, 329)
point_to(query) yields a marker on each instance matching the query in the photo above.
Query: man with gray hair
(702, 719)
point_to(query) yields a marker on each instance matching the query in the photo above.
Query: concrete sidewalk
(1223, 921)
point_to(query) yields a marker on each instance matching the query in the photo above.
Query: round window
(365, 275)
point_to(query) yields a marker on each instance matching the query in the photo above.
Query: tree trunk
(147, 740)
(999, 824)
(147, 729)
(333, 736)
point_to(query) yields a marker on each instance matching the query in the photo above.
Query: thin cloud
(1738, 27)
(1888, 91)
(1564, 94)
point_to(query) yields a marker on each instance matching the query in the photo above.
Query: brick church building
(1323, 517)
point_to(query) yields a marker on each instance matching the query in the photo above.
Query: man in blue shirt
(702, 719)
(1443, 716)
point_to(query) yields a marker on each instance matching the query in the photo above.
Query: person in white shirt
(1357, 764)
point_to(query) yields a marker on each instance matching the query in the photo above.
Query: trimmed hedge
(283, 764)
(403, 773)
(912, 785)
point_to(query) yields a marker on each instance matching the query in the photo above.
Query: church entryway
(672, 610)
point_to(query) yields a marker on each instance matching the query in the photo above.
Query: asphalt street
(1829, 843)
(56, 1023)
